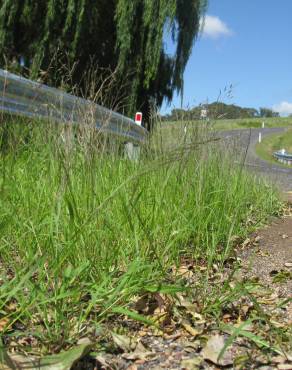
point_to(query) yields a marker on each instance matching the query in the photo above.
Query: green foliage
(266, 112)
(219, 110)
(83, 231)
(127, 36)
(216, 110)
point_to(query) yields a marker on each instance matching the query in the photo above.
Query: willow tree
(123, 35)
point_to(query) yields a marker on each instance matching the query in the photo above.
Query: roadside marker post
(260, 137)
(138, 118)
(132, 150)
(263, 125)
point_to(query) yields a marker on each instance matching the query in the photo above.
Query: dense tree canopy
(267, 112)
(123, 35)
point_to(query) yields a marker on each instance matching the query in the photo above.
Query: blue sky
(246, 43)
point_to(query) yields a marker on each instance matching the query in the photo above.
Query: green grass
(174, 131)
(273, 143)
(83, 231)
(233, 124)
(229, 124)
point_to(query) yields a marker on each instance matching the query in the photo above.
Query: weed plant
(83, 230)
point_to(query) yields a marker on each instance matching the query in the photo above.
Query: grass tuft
(84, 231)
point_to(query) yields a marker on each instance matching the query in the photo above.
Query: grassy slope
(83, 231)
(252, 123)
(273, 143)
(233, 124)
(175, 131)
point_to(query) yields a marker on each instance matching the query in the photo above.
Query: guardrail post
(132, 151)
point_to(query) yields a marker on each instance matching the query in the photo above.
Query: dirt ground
(271, 259)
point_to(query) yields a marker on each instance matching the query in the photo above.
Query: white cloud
(284, 108)
(214, 27)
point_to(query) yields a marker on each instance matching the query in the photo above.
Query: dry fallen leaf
(172, 337)
(245, 243)
(61, 361)
(4, 323)
(125, 343)
(191, 347)
(285, 367)
(192, 310)
(278, 324)
(134, 356)
(190, 329)
(184, 270)
(212, 351)
(140, 353)
(132, 367)
(279, 359)
(262, 253)
(149, 303)
(100, 358)
(191, 363)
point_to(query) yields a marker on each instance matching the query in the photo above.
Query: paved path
(246, 140)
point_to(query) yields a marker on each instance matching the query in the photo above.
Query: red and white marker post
(132, 150)
(138, 118)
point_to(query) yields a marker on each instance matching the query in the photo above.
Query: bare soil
(270, 260)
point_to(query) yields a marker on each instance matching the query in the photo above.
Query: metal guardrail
(24, 97)
(283, 157)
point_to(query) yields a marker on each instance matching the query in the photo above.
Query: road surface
(245, 141)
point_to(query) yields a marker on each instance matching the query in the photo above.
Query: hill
(219, 110)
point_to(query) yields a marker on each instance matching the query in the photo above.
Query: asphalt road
(245, 141)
